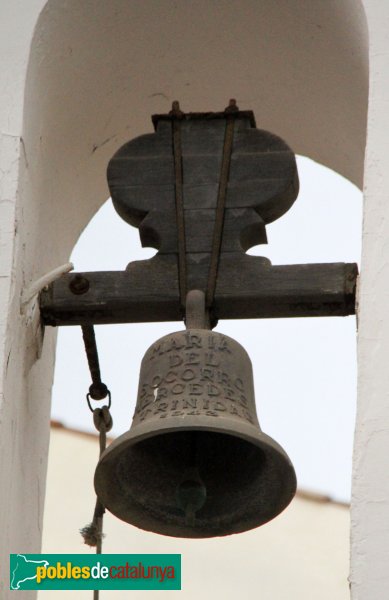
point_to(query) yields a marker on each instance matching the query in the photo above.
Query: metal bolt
(232, 107)
(79, 285)
(176, 111)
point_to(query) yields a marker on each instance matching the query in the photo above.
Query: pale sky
(304, 369)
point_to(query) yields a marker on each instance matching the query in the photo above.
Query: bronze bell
(195, 462)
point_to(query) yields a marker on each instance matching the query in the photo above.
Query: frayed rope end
(91, 534)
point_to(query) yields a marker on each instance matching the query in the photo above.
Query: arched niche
(98, 70)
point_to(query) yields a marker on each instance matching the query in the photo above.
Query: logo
(95, 572)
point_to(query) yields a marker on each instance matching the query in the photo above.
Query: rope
(93, 533)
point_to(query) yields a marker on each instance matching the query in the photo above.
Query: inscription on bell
(188, 341)
(195, 373)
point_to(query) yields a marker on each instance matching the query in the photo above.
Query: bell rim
(263, 441)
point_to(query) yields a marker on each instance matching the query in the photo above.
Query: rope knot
(102, 419)
(92, 534)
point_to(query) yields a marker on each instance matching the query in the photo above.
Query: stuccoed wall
(370, 501)
(23, 414)
(77, 79)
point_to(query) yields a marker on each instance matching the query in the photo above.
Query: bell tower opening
(84, 97)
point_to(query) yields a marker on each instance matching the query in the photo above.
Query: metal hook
(88, 397)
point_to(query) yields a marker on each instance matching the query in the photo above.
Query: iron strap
(179, 200)
(220, 210)
(177, 115)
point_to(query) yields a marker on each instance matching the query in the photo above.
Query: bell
(195, 462)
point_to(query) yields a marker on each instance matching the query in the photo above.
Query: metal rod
(179, 198)
(98, 390)
(220, 209)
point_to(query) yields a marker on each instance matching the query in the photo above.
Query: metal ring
(88, 397)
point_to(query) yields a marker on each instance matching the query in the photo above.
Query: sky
(304, 368)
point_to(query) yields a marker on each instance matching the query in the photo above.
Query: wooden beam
(262, 291)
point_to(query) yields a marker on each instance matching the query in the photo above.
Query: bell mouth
(245, 483)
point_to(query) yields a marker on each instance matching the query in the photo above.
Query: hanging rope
(93, 533)
(102, 419)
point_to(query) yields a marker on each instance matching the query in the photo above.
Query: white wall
(23, 418)
(370, 504)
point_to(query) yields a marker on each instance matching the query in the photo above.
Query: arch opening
(97, 73)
